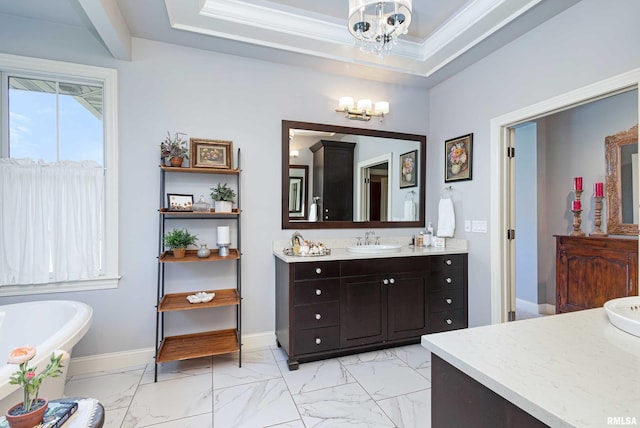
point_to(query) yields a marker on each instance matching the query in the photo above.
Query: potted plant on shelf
(174, 148)
(224, 196)
(178, 240)
(31, 411)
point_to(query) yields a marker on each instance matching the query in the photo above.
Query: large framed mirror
(621, 153)
(356, 177)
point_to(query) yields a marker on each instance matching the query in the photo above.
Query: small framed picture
(458, 158)
(211, 153)
(409, 169)
(177, 202)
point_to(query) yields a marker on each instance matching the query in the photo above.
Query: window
(58, 175)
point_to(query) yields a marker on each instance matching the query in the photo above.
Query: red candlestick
(598, 190)
(577, 183)
(577, 205)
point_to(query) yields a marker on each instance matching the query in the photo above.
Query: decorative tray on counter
(312, 249)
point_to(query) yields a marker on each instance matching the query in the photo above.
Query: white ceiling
(445, 35)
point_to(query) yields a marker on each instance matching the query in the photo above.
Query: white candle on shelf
(223, 235)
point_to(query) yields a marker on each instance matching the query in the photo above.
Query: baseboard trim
(143, 356)
(536, 308)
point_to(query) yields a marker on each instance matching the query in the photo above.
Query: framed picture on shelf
(458, 158)
(211, 153)
(178, 202)
(408, 169)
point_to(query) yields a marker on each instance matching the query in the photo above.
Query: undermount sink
(374, 249)
(624, 313)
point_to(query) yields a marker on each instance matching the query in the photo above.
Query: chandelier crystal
(376, 25)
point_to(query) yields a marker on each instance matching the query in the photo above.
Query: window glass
(55, 121)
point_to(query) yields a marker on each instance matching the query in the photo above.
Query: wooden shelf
(192, 256)
(198, 345)
(211, 213)
(200, 170)
(179, 302)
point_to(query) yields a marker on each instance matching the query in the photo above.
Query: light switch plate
(479, 226)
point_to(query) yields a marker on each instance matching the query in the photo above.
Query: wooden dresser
(590, 271)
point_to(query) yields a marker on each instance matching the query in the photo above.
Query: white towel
(446, 218)
(409, 211)
(313, 212)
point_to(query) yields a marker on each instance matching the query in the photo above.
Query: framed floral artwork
(210, 153)
(458, 157)
(178, 202)
(409, 169)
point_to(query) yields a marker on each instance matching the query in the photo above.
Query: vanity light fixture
(363, 111)
(376, 25)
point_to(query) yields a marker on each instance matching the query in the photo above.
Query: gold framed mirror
(621, 153)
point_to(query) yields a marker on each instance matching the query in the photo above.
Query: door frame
(500, 139)
(362, 197)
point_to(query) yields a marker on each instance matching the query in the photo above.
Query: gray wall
(589, 42)
(207, 95)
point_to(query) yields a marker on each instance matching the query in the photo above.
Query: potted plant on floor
(224, 196)
(178, 240)
(174, 148)
(30, 412)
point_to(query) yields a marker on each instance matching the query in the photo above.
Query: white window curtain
(51, 221)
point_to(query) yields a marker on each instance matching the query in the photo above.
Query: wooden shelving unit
(206, 343)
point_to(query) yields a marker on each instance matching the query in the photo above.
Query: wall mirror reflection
(622, 178)
(352, 177)
(298, 184)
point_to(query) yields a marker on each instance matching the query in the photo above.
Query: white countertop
(339, 251)
(568, 370)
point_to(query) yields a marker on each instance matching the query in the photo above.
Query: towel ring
(446, 192)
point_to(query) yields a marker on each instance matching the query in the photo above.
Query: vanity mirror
(352, 177)
(621, 152)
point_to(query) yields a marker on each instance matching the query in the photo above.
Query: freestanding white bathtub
(47, 325)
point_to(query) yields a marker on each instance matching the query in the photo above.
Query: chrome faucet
(367, 235)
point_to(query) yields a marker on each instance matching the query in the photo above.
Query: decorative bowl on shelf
(200, 297)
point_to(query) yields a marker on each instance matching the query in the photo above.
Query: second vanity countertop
(568, 370)
(339, 251)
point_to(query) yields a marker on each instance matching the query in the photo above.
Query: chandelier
(376, 25)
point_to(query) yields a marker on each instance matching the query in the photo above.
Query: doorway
(503, 192)
(373, 192)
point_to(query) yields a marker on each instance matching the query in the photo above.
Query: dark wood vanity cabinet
(325, 309)
(590, 271)
(335, 190)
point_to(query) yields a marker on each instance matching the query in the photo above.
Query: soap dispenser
(428, 235)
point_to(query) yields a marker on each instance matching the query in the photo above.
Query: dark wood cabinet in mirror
(354, 178)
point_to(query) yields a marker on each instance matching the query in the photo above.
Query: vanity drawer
(449, 262)
(447, 300)
(448, 320)
(316, 270)
(325, 290)
(317, 315)
(446, 280)
(316, 340)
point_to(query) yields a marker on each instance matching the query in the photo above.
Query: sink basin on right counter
(375, 249)
(624, 313)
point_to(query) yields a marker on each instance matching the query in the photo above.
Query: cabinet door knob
(448, 262)
(318, 316)
(318, 292)
(392, 281)
(449, 301)
(318, 271)
(448, 280)
(326, 217)
(449, 321)
(385, 281)
(318, 341)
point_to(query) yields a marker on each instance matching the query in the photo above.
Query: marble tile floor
(387, 388)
